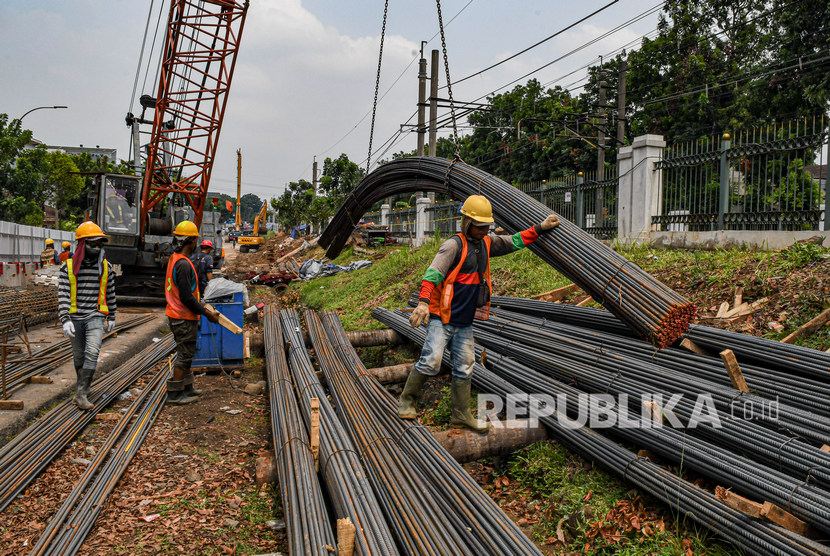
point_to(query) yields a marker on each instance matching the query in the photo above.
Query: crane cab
(115, 206)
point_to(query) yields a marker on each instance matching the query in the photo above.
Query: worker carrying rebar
(455, 290)
(184, 309)
(48, 256)
(86, 304)
(66, 253)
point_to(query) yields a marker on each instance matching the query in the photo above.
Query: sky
(305, 73)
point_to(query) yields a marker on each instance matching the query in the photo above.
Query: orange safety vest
(175, 308)
(64, 256)
(102, 288)
(440, 301)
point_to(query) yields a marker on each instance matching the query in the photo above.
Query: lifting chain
(377, 86)
(449, 83)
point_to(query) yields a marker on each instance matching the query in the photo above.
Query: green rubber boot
(189, 390)
(176, 394)
(82, 388)
(409, 397)
(461, 415)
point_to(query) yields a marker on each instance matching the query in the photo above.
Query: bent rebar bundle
(650, 308)
(510, 377)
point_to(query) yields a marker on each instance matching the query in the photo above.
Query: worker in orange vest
(66, 253)
(455, 290)
(184, 309)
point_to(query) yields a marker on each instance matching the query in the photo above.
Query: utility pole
(314, 178)
(621, 105)
(238, 221)
(422, 94)
(433, 102)
(600, 197)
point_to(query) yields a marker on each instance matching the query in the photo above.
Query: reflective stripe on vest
(440, 302)
(102, 288)
(175, 308)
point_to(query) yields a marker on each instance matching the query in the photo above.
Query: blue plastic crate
(216, 346)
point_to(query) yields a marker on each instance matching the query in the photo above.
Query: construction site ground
(192, 490)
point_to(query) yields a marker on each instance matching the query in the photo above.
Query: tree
(249, 207)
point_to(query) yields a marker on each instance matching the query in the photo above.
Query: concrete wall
(731, 238)
(19, 243)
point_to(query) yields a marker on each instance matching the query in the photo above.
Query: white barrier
(19, 243)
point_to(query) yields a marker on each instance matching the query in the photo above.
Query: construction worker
(66, 253)
(203, 262)
(456, 289)
(47, 256)
(86, 304)
(181, 290)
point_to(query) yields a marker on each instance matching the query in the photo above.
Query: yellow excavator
(255, 240)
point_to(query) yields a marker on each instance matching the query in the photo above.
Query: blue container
(216, 346)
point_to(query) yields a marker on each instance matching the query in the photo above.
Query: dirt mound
(263, 259)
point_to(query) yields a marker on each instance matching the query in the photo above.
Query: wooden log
(558, 294)
(14, 405)
(786, 520)
(736, 376)
(39, 379)
(368, 338)
(266, 469)
(693, 347)
(466, 445)
(246, 345)
(314, 432)
(743, 505)
(109, 416)
(808, 328)
(345, 537)
(393, 373)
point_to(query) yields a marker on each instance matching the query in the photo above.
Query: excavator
(139, 212)
(255, 240)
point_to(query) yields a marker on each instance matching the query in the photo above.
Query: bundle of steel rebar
(650, 308)
(340, 467)
(752, 535)
(46, 359)
(36, 305)
(454, 509)
(27, 454)
(68, 528)
(307, 522)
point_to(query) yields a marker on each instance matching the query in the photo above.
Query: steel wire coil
(649, 307)
(340, 467)
(752, 535)
(307, 522)
(26, 455)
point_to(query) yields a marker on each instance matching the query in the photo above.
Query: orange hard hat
(89, 230)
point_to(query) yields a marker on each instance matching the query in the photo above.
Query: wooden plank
(741, 309)
(808, 328)
(246, 345)
(585, 301)
(314, 432)
(724, 308)
(826, 448)
(739, 296)
(39, 379)
(108, 416)
(736, 376)
(743, 505)
(313, 242)
(693, 347)
(345, 537)
(12, 405)
(558, 294)
(225, 322)
(785, 519)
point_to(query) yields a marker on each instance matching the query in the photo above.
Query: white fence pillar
(640, 187)
(385, 216)
(422, 220)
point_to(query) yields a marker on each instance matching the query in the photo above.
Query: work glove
(549, 223)
(69, 329)
(419, 315)
(212, 316)
(110, 326)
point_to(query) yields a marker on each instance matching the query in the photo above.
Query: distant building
(95, 152)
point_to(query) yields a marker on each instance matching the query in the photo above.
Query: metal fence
(444, 217)
(402, 221)
(576, 197)
(769, 178)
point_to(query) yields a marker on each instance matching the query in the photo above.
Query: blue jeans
(89, 333)
(460, 339)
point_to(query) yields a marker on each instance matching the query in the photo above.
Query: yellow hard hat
(49, 241)
(89, 230)
(478, 208)
(186, 228)
(66, 245)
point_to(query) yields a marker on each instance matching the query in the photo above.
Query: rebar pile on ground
(68, 528)
(433, 505)
(510, 377)
(36, 305)
(307, 523)
(650, 308)
(340, 465)
(25, 456)
(45, 360)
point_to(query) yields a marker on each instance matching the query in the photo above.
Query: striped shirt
(87, 301)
